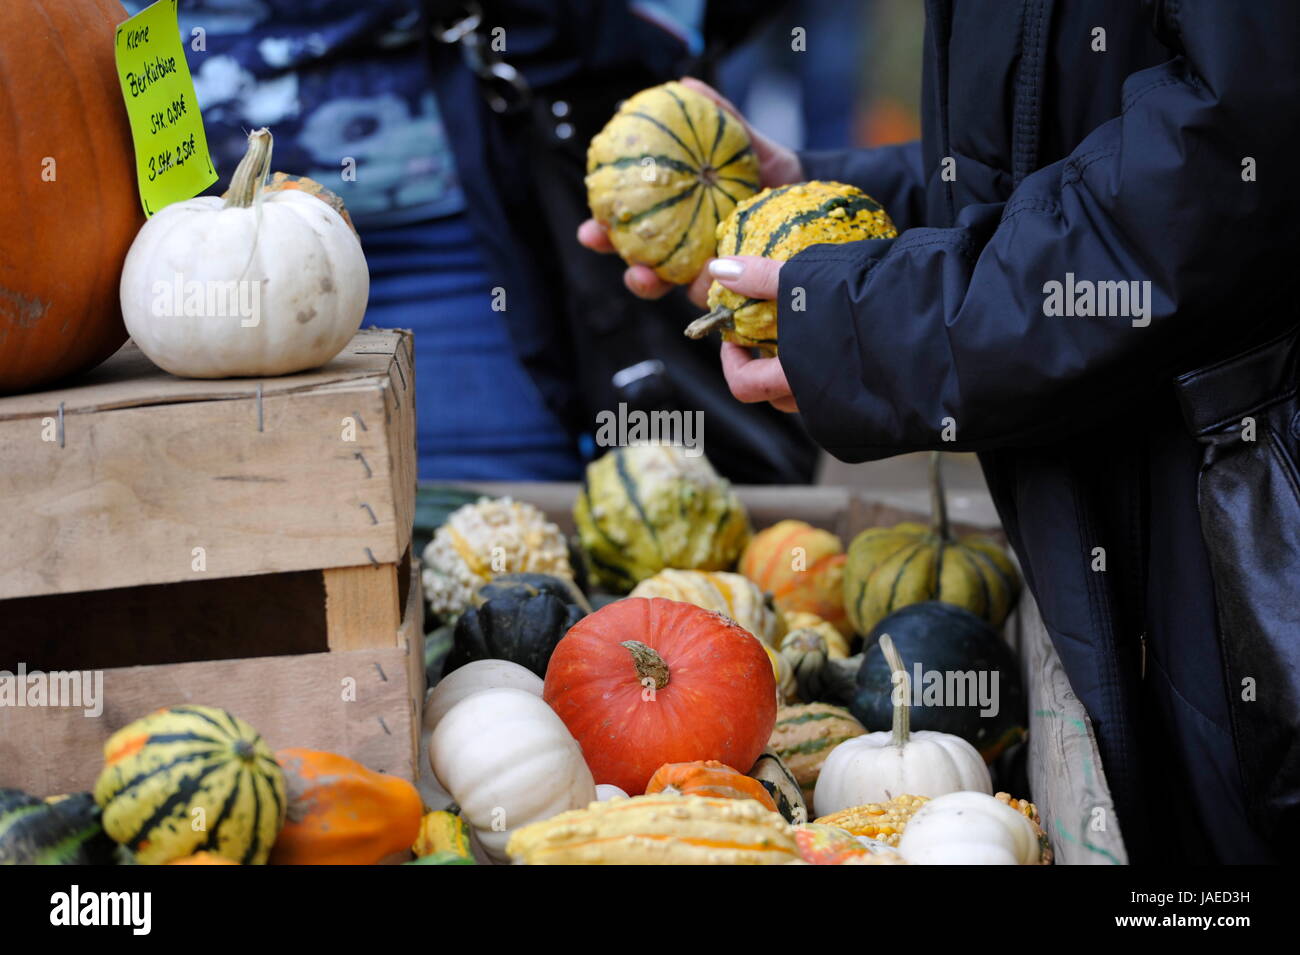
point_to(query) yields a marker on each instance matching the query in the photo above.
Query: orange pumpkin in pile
(708, 777)
(69, 199)
(643, 682)
(341, 813)
(802, 567)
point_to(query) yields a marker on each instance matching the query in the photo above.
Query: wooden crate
(1066, 778)
(235, 542)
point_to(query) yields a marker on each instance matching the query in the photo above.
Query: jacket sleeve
(1189, 190)
(892, 175)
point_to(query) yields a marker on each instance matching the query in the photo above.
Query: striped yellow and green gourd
(663, 173)
(893, 567)
(804, 736)
(188, 779)
(647, 507)
(663, 829)
(777, 224)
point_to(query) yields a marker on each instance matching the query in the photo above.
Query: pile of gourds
(717, 712)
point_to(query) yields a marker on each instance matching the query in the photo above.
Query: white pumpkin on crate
(265, 281)
(876, 767)
(508, 760)
(970, 828)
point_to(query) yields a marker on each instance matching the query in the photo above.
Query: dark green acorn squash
(517, 617)
(948, 641)
(63, 832)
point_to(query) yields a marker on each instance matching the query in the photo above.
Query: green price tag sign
(171, 151)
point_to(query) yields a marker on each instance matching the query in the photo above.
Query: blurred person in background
(462, 166)
(809, 102)
(1145, 464)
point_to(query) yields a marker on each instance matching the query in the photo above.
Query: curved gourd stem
(720, 317)
(251, 172)
(648, 663)
(938, 501)
(902, 712)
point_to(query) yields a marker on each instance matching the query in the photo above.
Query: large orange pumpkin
(643, 682)
(69, 201)
(341, 813)
(802, 567)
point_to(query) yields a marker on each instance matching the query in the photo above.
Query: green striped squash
(893, 567)
(777, 224)
(663, 173)
(648, 507)
(63, 830)
(804, 736)
(189, 779)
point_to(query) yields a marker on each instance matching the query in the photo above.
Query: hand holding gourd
(752, 379)
(777, 166)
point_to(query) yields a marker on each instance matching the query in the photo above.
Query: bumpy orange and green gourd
(663, 173)
(777, 224)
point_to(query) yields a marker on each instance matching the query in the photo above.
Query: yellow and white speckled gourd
(777, 224)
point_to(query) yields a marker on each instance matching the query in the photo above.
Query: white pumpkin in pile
(879, 766)
(263, 282)
(508, 760)
(968, 828)
(475, 677)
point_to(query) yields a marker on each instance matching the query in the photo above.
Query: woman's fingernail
(726, 268)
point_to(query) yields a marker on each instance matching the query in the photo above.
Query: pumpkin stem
(719, 317)
(251, 171)
(902, 689)
(938, 500)
(648, 663)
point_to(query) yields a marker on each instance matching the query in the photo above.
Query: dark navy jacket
(1129, 164)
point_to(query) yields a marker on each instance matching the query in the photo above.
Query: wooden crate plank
(355, 703)
(411, 638)
(362, 607)
(1065, 772)
(129, 379)
(134, 491)
(400, 433)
